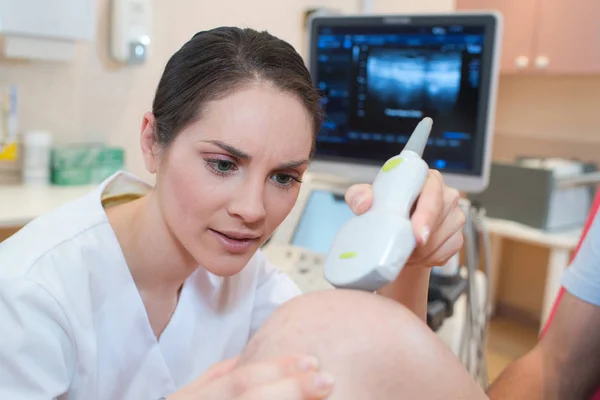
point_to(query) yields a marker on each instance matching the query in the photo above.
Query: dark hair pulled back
(215, 63)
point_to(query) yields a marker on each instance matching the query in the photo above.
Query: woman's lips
(234, 243)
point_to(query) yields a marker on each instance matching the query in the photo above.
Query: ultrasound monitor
(380, 75)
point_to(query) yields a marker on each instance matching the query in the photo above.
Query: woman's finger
(452, 224)
(448, 249)
(251, 376)
(451, 200)
(307, 386)
(429, 208)
(359, 198)
(218, 370)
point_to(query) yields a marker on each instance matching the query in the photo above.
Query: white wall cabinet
(45, 29)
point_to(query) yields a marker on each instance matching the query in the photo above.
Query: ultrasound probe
(370, 250)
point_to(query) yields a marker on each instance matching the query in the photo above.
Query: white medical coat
(73, 325)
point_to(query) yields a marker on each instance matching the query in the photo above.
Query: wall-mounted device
(131, 28)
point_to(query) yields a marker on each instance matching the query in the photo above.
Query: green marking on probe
(391, 164)
(348, 254)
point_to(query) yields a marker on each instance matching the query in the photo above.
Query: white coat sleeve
(36, 353)
(273, 289)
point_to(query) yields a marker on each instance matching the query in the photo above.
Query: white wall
(91, 98)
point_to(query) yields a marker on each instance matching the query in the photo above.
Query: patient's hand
(437, 219)
(294, 377)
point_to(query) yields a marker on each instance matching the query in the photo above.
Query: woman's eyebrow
(230, 149)
(293, 164)
(245, 156)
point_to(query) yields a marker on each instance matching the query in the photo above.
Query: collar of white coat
(124, 184)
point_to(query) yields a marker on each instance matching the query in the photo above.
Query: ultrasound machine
(379, 76)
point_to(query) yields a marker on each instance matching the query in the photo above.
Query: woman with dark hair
(143, 288)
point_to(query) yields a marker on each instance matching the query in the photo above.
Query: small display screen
(322, 217)
(379, 81)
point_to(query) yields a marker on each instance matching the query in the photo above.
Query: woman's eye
(224, 166)
(284, 179)
(221, 167)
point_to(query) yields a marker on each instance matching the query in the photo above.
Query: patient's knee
(374, 347)
(337, 324)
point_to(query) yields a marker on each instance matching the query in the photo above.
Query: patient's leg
(375, 348)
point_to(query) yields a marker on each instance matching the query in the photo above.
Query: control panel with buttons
(303, 266)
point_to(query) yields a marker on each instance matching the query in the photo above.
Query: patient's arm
(565, 364)
(374, 347)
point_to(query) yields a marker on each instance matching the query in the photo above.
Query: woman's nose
(249, 204)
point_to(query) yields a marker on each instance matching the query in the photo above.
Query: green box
(85, 164)
(108, 161)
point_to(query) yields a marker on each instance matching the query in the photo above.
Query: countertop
(19, 204)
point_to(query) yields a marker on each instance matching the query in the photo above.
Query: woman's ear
(148, 143)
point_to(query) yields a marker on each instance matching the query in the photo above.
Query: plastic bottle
(37, 147)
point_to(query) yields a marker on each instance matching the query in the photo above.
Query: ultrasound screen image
(404, 80)
(379, 82)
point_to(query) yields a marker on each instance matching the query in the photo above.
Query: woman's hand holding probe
(285, 378)
(437, 219)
